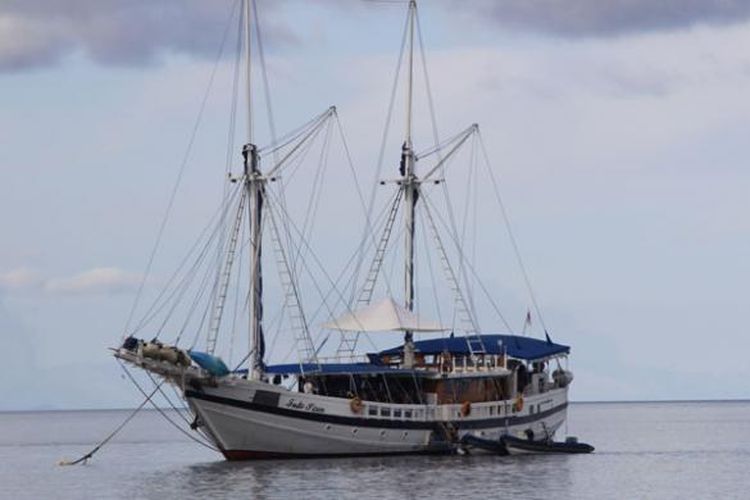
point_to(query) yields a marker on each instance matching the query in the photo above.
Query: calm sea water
(644, 450)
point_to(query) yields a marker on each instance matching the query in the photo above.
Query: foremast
(256, 193)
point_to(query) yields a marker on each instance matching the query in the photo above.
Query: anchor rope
(161, 411)
(125, 422)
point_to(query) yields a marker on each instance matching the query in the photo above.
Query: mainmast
(255, 187)
(410, 185)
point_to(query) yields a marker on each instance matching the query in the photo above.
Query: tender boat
(518, 446)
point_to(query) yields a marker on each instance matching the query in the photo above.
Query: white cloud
(20, 279)
(100, 280)
(96, 281)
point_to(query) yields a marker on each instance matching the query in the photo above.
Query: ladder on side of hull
(224, 278)
(302, 339)
(348, 343)
(471, 329)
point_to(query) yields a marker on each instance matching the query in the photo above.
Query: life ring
(518, 405)
(466, 409)
(356, 405)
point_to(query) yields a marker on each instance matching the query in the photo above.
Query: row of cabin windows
(397, 413)
(385, 411)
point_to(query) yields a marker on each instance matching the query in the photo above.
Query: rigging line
(201, 290)
(311, 133)
(264, 74)
(429, 265)
(462, 237)
(193, 307)
(199, 296)
(475, 216)
(469, 266)
(112, 434)
(161, 410)
(389, 274)
(441, 164)
(381, 156)
(298, 155)
(430, 101)
(293, 135)
(181, 290)
(237, 294)
(375, 269)
(368, 220)
(269, 107)
(452, 229)
(295, 162)
(224, 275)
(313, 201)
(293, 291)
(234, 104)
(380, 218)
(511, 235)
(181, 171)
(440, 147)
(184, 284)
(273, 324)
(156, 307)
(229, 159)
(469, 180)
(320, 266)
(180, 411)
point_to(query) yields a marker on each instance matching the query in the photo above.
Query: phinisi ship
(440, 389)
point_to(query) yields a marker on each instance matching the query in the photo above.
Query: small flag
(526, 322)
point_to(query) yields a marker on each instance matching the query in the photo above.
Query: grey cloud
(587, 18)
(126, 32)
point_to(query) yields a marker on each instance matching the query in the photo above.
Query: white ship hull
(250, 420)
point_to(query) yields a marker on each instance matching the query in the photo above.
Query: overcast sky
(619, 131)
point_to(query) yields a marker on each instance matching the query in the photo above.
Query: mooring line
(96, 448)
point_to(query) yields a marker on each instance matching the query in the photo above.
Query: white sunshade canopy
(385, 315)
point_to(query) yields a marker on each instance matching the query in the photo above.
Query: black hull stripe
(372, 422)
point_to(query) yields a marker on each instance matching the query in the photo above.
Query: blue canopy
(333, 368)
(513, 345)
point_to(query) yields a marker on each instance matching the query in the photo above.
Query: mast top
(247, 25)
(410, 85)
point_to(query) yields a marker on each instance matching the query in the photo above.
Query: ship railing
(357, 358)
(444, 412)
